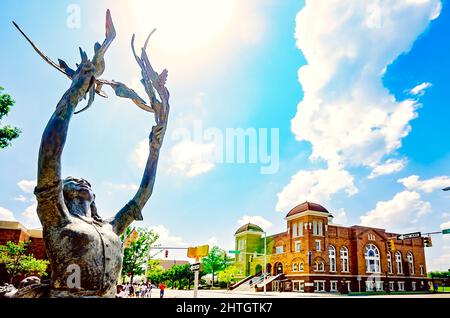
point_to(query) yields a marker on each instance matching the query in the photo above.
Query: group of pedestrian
(143, 290)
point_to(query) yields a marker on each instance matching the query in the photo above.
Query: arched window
(410, 259)
(332, 256)
(344, 259)
(398, 262)
(321, 267)
(389, 262)
(372, 259)
(300, 267)
(294, 267)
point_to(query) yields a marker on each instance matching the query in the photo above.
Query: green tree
(137, 254)
(183, 274)
(18, 261)
(7, 133)
(439, 274)
(170, 275)
(215, 261)
(228, 275)
(154, 272)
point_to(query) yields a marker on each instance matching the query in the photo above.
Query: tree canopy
(215, 261)
(228, 274)
(137, 253)
(7, 133)
(18, 261)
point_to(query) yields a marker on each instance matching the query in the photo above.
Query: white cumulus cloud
(340, 217)
(20, 198)
(316, 186)
(420, 89)
(31, 219)
(401, 213)
(27, 185)
(190, 158)
(347, 114)
(166, 238)
(256, 219)
(388, 167)
(6, 215)
(428, 185)
(445, 225)
(140, 154)
(122, 186)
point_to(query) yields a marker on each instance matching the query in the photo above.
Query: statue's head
(80, 190)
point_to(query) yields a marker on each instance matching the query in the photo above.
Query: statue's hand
(157, 136)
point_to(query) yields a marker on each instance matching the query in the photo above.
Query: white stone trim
(307, 212)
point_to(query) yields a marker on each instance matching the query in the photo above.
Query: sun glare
(184, 26)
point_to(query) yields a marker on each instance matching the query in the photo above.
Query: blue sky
(351, 125)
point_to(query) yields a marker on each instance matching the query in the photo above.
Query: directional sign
(234, 252)
(446, 231)
(408, 236)
(195, 267)
(198, 251)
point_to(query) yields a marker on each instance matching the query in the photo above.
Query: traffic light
(391, 245)
(427, 241)
(166, 253)
(251, 258)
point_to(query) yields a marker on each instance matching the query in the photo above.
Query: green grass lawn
(444, 289)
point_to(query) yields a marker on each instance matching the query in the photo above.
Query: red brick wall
(37, 248)
(12, 235)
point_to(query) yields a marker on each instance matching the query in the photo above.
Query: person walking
(143, 291)
(131, 289)
(137, 290)
(162, 287)
(149, 290)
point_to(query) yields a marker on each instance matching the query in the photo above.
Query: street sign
(234, 252)
(446, 231)
(198, 251)
(408, 236)
(195, 267)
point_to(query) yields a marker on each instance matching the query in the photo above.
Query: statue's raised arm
(152, 82)
(49, 187)
(75, 236)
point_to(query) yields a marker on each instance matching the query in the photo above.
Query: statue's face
(78, 189)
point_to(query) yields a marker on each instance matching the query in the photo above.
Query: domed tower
(307, 225)
(248, 240)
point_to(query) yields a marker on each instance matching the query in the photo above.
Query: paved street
(224, 294)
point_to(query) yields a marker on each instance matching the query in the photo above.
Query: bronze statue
(78, 241)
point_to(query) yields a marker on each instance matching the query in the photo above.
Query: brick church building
(316, 255)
